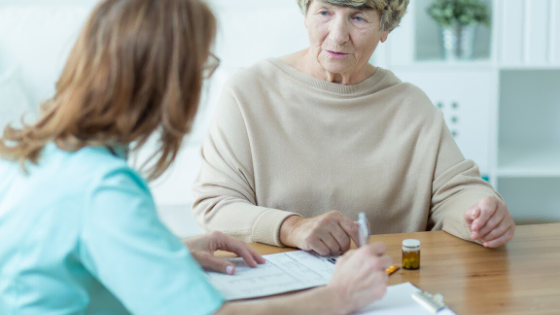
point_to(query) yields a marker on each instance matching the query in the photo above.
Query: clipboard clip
(432, 303)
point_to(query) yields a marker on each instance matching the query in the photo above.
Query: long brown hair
(137, 67)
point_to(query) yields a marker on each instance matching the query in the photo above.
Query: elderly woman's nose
(339, 30)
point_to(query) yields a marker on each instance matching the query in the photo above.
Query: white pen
(363, 230)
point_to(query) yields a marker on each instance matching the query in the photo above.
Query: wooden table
(522, 277)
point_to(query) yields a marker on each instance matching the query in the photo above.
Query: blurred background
(491, 66)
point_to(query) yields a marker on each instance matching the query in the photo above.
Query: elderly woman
(301, 144)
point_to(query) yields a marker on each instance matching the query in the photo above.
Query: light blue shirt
(80, 235)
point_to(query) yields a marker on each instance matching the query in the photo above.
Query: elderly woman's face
(343, 38)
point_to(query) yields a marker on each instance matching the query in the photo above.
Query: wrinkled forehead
(343, 4)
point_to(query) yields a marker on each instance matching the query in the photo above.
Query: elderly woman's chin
(338, 65)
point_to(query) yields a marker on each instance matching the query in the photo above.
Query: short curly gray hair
(391, 11)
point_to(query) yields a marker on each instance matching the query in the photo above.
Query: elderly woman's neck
(305, 62)
(346, 79)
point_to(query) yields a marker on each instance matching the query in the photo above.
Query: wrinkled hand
(490, 222)
(202, 248)
(359, 277)
(327, 234)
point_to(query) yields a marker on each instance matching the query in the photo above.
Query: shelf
(442, 65)
(529, 161)
(471, 65)
(529, 67)
(531, 199)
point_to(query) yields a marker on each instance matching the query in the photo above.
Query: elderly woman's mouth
(335, 54)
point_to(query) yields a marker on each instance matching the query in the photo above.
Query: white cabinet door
(537, 27)
(555, 32)
(464, 98)
(511, 40)
(529, 32)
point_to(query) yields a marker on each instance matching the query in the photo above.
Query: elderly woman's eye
(359, 19)
(323, 13)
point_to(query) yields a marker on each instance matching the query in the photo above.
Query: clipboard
(399, 301)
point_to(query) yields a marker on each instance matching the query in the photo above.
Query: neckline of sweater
(365, 87)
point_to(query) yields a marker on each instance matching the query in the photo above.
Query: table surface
(522, 277)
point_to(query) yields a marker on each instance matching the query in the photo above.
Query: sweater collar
(365, 87)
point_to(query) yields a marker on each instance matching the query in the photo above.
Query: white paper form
(398, 300)
(281, 273)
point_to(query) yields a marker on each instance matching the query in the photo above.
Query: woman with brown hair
(79, 228)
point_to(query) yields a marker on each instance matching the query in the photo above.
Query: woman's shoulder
(98, 159)
(406, 90)
(86, 167)
(109, 162)
(391, 80)
(68, 178)
(410, 99)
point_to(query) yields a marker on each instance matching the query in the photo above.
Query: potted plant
(458, 21)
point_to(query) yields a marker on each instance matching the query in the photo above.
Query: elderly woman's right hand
(327, 234)
(360, 277)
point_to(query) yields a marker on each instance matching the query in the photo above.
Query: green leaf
(448, 12)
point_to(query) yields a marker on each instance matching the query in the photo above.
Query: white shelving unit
(529, 161)
(503, 106)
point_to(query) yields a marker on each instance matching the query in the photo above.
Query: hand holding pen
(365, 265)
(363, 230)
(360, 276)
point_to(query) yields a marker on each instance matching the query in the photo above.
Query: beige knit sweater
(284, 143)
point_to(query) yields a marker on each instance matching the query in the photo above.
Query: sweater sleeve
(224, 191)
(456, 187)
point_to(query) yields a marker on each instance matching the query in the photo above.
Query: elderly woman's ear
(384, 36)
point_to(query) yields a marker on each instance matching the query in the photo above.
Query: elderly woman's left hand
(490, 222)
(202, 249)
